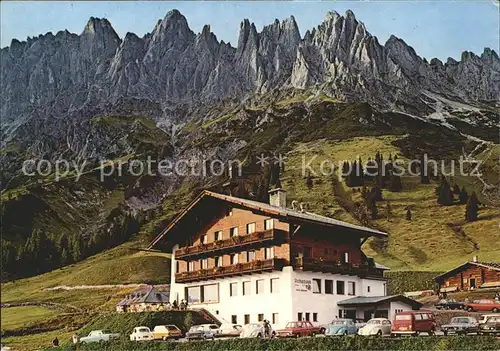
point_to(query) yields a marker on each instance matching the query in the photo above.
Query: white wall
(287, 303)
(252, 304)
(326, 304)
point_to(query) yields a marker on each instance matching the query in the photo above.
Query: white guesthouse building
(246, 261)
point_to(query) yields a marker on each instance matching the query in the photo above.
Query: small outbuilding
(469, 276)
(144, 299)
(367, 307)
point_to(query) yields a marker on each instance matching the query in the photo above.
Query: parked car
(360, 323)
(461, 325)
(483, 305)
(449, 304)
(165, 332)
(376, 326)
(413, 323)
(229, 329)
(342, 326)
(203, 331)
(484, 317)
(255, 330)
(99, 335)
(491, 326)
(298, 329)
(141, 334)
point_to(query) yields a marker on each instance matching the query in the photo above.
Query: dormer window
(346, 257)
(268, 224)
(233, 231)
(218, 235)
(250, 228)
(203, 239)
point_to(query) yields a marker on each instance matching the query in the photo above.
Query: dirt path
(104, 286)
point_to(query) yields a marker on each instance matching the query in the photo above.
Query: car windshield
(374, 321)
(106, 332)
(255, 325)
(171, 327)
(339, 322)
(403, 317)
(196, 328)
(143, 330)
(459, 320)
(291, 325)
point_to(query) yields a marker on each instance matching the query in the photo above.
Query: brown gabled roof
(490, 265)
(360, 301)
(269, 209)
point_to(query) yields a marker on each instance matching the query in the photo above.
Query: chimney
(474, 259)
(277, 197)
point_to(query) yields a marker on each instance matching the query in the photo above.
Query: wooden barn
(469, 276)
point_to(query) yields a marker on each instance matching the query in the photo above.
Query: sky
(439, 29)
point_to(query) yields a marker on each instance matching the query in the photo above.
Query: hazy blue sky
(434, 28)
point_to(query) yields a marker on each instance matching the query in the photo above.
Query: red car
(483, 305)
(413, 323)
(298, 329)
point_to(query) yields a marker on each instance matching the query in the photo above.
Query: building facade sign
(302, 285)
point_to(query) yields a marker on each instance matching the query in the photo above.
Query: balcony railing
(227, 245)
(237, 269)
(318, 265)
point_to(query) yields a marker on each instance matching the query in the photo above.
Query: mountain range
(178, 94)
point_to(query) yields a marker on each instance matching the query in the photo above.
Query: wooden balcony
(236, 243)
(336, 267)
(237, 269)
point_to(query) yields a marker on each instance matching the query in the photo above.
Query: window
(341, 313)
(269, 253)
(233, 231)
(204, 263)
(193, 294)
(307, 316)
(340, 287)
(260, 317)
(177, 267)
(268, 224)
(250, 228)
(234, 259)
(229, 211)
(346, 257)
(259, 286)
(317, 286)
(246, 288)
(247, 318)
(418, 317)
(218, 261)
(210, 293)
(233, 289)
(368, 288)
(315, 317)
(299, 316)
(250, 256)
(275, 285)
(328, 286)
(351, 288)
(234, 319)
(203, 239)
(275, 318)
(190, 266)
(218, 235)
(398, 310)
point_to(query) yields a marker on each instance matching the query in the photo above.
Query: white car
(228, 329)
(376, 326)
(255, 330)
(141, 334)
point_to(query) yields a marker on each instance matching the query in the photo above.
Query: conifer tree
(424, 172)
(408, 214)
(444, 193)
(471, 210)
(395, 183)
(456, 189)
(463, 196)
(373, 208)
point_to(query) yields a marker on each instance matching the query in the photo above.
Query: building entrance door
(368, 315)
(472, 283)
